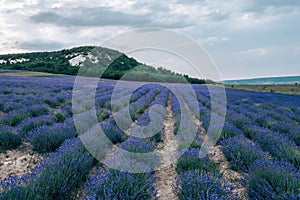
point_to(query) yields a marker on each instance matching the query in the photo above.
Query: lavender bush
(48, 138)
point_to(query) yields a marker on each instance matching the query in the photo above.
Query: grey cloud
(218, 16)
(9, 11)
(259, 7)
(88, 17)
(98, 16)
(164, 10)
(274, 3)
(40, 45)
(46, 17)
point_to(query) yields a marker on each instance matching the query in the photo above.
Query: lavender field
(42, 154)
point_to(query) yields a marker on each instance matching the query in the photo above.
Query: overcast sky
(254, 39)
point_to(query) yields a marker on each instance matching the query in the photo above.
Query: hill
(265, 81)
(93, 61)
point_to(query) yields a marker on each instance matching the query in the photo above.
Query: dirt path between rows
(166, 175)
(216, 155)
(18, 161)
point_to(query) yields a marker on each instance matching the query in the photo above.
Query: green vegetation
(8, 140)
(96, 62)
(274, 88)
(188, 163)
(27, 73)
(59, 117)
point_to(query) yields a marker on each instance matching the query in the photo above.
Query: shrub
(114, 134)
(8, 139)
(113, 184)
(1, 105)
(198, 184)
(190, 160)
(60, 100)
(158, 137)
(7, 92)
(176, 112)
(13, 118)
(205, 119)
(197, 142)
(85, 121)
(59, 117)
(48, 138)
(250, 131)
(227, 131)
(148, 125)
(133, 155)
(67, 110)
(279, 146)
(241, 153)
(10, 106)
(105, 115)
(281, 127)
(276, 180)
(112, 107)
(137, 108)
(138, 93)
(136, 145)
(288, 129)
(59, 176)
(53, 103)
(35, 111)
(295, 134)
(102, 115)
(124, 122)
(31, 123)
(238, 120)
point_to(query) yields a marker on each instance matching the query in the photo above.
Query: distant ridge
(94, 61)
(264, 81)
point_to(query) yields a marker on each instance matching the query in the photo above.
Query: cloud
(213, 39)
(234, 33)
(218, 16)
(101, 16)
(261, 7)
(89, 17)
(40, 45)
(252, 52)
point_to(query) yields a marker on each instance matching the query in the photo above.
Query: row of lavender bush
(265, 173)
(121, 184)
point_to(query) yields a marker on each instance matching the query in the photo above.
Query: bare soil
(18, 161)
(231, 176)
(166, 175)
